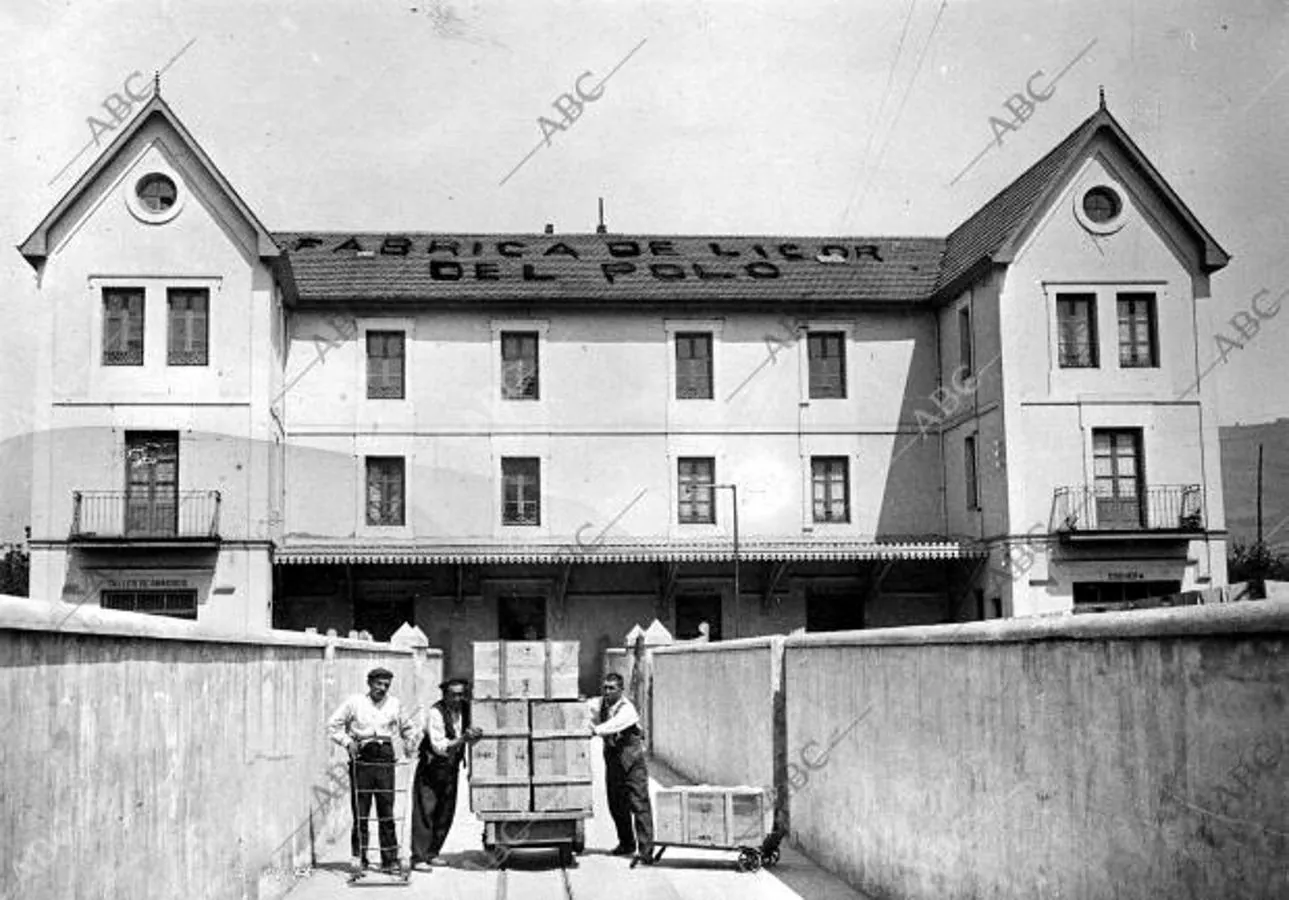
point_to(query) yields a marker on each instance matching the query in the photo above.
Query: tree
(15, 569)
(1256, 562)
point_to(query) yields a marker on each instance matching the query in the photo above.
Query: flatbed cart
(402, 815)
(750, 859)
(564, 830)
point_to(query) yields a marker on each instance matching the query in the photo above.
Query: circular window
(1100, 209)
(1101, 205)
(155, 199)
(156, 192)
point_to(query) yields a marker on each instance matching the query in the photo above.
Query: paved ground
(536, 874)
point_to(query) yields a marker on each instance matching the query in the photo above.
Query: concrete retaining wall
(714, 710)
(1135, 755)
(152, 758)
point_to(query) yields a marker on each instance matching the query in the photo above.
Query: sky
(849, 118)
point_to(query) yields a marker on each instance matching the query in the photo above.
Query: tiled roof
(343, 266)
(338, 266)
(993, 225)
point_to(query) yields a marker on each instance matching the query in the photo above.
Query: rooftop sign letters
(661, 259)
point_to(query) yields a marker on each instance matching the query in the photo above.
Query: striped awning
(639, 551)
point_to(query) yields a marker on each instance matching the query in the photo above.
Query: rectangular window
(385, 366)
(151, 483)
(695, 477)
(385, 490)
(969, 468)
(521, 491)
(1138, 338)
(1105, 596)
(1076, 324)
(188, 341)
(1117, 478)
(177, 604)
(693, 366)
(122, 326)
(519, 365)
(830, 476)
(827, 351)
(521, 617)
(964, 341)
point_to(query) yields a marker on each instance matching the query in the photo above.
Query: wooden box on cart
(706, 815)
(504, 750)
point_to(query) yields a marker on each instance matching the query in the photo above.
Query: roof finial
(1101, 91)
(156, 82)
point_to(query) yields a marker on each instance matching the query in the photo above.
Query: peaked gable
(993, 234)
(36, 247)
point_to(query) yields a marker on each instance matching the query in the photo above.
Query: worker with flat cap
(442, 753)
(366, 726)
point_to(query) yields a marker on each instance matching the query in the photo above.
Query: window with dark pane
(695, 477)
(1101, 204)
(969, 465)
(176, 604)
(122, 326)
(827, 351)
(519, 365)
(1138, 336)
(1076, 330)
(189, 324)
(521, 491)
(830, 478)
(965, 361)
(156, 192)
(385, 365)
(693, 366)
(385, 490)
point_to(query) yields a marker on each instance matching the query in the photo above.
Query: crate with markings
(530, 773)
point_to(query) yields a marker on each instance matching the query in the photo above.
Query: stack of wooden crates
(535, 752)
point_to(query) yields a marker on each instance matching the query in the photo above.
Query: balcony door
(1117, 478)
(151, 483)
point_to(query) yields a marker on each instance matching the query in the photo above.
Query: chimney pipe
(550, 228)
(600, 229)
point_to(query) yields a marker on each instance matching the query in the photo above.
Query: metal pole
(734, 492)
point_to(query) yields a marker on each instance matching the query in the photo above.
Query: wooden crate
(501, 794)
(561, 740)
(555, 794)
(503, 752)
(705, 815)
(525, 670)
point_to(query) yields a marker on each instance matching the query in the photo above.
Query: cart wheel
(772, 858)
(579, 837)
(749, 860)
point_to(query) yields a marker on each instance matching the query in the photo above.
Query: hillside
(1239, 480)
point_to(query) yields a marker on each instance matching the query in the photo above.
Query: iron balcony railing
(1159, 508)
(123, 515)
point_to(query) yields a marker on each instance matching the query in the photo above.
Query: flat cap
(464, 682)
(379, 672)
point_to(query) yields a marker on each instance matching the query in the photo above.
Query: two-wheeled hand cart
(750, 858)
(399, 812)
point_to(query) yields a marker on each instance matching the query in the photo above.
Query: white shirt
(622, 715)
(359, 719)
(438, 730)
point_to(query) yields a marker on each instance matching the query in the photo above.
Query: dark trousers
(626, 777)
(434, 803)
(371, 776)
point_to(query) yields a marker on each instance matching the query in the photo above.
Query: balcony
(1170, 512)
(118, 517)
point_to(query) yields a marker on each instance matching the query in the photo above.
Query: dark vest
(622, 738)
(457, 756)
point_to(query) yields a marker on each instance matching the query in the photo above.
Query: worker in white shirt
(366, 725)
(442, 752)
(626, 774)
